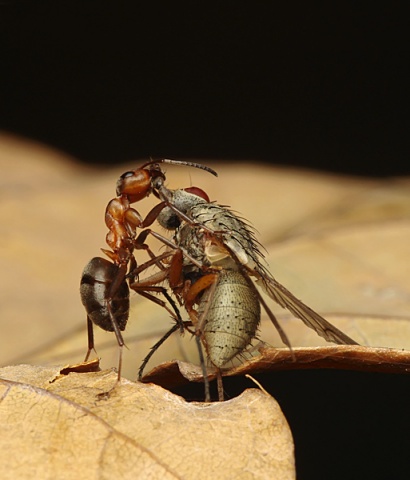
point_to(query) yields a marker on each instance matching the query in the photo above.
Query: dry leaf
(346, 357)
(61, 429)
(338, 243)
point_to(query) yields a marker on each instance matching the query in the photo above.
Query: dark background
(346, 425)
(314, 84)
(319, 85)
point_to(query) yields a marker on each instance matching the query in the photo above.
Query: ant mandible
(104, 290)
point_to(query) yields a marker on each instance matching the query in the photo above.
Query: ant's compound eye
(127, 174)
(122, 181)
(136, 184)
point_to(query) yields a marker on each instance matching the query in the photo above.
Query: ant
(104, 289)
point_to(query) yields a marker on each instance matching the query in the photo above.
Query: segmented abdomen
(232, 317)
(96, 281)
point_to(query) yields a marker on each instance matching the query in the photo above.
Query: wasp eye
(173, 222)
(169, 219)
(158, 182)
(198, 192)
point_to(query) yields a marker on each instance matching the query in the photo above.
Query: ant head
(138, 184)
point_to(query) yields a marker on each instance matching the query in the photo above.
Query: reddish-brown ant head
(137, 184)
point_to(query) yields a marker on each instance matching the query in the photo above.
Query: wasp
(221, 263)
(105, 284)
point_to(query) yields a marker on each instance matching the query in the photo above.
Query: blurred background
(303, 96)
(314, 85)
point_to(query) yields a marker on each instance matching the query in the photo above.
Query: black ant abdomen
(95, 290)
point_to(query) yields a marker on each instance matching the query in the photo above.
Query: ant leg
(133, 218)
(150, 285)
(90, 332)
(120, 339)
(206, 281)
(154, 348)
(174, 314)
(139, 244)
(105, 295)
(114, 288)
(170, 332)
(135, 271)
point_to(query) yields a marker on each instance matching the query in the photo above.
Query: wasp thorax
(182, 201)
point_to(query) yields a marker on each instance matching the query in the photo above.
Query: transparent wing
(310, 318)
(240, 241)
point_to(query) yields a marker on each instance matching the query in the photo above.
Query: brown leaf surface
(61, 429)
(346, 357)
(341, 244)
